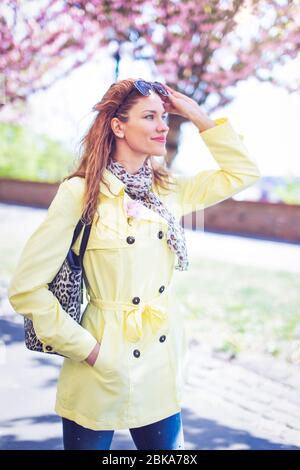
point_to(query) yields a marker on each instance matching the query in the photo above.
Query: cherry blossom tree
(202, 48)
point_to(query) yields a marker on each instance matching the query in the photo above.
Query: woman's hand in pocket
(91, 359)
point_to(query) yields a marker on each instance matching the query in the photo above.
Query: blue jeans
(166, 434)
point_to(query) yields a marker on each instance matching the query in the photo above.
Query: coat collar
(114, 183)
(117, 187)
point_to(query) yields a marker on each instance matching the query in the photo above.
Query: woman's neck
(130, 166)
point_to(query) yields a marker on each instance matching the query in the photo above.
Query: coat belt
(134, 315)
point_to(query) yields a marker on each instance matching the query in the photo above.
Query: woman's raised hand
(180, 104)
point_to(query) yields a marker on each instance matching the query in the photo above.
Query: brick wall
(270, 220)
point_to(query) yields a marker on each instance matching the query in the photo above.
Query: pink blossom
(215, 43)
(133, 208)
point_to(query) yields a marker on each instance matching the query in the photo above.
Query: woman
(124, 366)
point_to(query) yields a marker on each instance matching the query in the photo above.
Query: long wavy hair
(99, 143)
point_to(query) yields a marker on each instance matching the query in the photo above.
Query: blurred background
(238, 59)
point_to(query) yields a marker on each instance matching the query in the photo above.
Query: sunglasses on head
(145, 87)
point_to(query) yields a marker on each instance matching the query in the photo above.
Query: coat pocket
(107, 237)
(103, 362)
(107, 243)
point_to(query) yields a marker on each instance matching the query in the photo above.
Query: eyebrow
(152, 111)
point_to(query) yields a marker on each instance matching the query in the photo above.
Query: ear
(117, 127)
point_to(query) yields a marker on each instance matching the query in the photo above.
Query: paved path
(251, 402)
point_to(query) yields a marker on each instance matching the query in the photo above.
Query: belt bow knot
(134, 317)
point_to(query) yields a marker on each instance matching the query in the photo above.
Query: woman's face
(147, 120)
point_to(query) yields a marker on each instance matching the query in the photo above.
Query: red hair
(99, 144)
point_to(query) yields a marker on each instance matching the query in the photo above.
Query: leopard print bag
(67, 286)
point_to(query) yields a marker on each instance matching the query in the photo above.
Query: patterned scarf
(138, 186)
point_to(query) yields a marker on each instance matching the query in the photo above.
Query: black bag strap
(83, 244)
(77, 231)
(85, 236)
(84, 240)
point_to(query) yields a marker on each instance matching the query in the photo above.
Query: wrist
(201, 121)
(93, 355)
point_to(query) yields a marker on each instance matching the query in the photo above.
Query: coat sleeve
(40, 260)
(237, 170)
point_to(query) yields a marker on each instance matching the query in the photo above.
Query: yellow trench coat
(139, 375)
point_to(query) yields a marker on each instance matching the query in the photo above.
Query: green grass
(237, 308)
(26, 155)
